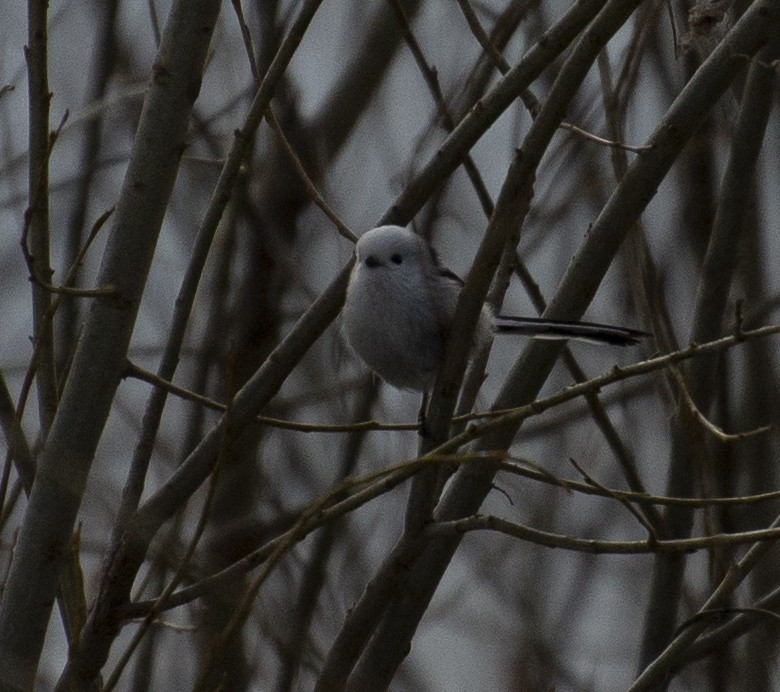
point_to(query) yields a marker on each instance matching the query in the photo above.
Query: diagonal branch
(583, 277)
(98, 363)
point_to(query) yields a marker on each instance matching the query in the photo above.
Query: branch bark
(582, 279)
(99, 361)
(712, 296)
(37, 215)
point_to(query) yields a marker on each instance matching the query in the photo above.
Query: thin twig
(718, 613)
(673, 25)
(38, 192)
(511, 417)
(100, 292)
(136, 371)
(246, 36)
(652, 537)
(638, 498)
(705, 422)
(528, 98)
(49, 315)
(493, 419)
(11, 553)
(270, 118)
(585, 545)
(431, 76)
(181, 571)
(348, 495)
(360, 490)
(535, 472)
(738, 317)
(308, 184)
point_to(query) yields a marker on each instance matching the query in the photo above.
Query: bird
(400, 303)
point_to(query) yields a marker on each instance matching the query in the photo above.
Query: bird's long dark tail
(541, 328)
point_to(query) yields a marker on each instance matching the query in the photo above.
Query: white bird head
(394, 252)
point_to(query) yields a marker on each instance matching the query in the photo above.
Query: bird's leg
(422, 430)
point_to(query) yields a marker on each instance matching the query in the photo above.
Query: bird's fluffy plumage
(400, 303)
(392, 272)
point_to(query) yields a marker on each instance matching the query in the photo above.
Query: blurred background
(356, 108)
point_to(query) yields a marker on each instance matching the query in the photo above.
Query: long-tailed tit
(400, 303)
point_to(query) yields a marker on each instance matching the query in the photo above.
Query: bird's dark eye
(372, 262)
(396, 258)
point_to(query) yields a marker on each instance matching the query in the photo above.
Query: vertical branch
(469, 487)
(16, 443)
(37, 250)
(316, 577)
(200, 251)
(352, 94)
(37, 221)
(451, 153)
(103, 61)
(392, 640)
(134, 528)
(674, 654)
(363, 619)
(181, 570)
(720, 261)
(99, 362)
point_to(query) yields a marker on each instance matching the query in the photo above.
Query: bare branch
(585, 545)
